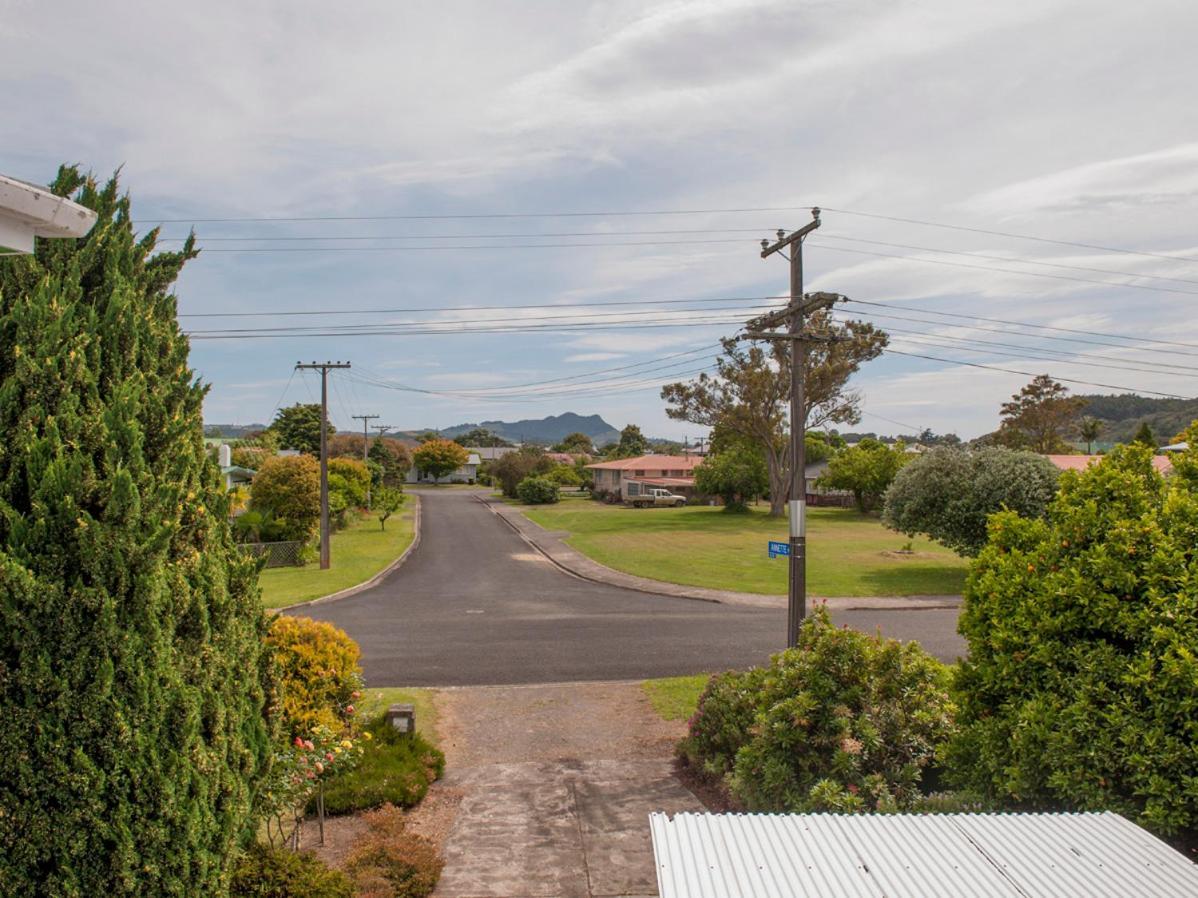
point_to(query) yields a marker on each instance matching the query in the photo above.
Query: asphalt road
(476, 605)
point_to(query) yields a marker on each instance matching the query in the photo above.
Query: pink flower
(349, 709)
(299, 743)
(319, 767)
(308, 744)
(355, 694)
(328, 756)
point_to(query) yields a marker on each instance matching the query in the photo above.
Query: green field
(848, 554)
(358, 552)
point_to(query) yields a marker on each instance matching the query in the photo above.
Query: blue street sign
(777, 548)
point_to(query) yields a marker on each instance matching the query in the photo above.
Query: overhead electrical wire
(995, 330)
(1087, 383)
(1025, 324)
(463, 216)
(1010, 234)
(411, 310)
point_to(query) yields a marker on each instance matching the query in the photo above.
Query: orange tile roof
(1081, 462)
(651, 463)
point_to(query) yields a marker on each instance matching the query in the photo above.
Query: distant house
(1080, 462)
(467, 473)
(234, 475)
(491, 453)
(566, 458)
(673, 472)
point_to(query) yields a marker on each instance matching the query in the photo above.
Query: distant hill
(1122, 415)
(231, 430)
(544, 430)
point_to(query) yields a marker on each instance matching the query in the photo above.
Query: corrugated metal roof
(914, 856)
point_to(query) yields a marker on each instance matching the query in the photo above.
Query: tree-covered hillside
(1123, 414)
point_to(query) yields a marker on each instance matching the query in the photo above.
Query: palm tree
(1090, 429)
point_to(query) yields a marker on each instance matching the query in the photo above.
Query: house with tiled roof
(673, 472)
(1080, 462)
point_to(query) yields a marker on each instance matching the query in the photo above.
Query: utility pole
(324, 368)
(365, 419)
(795, 315)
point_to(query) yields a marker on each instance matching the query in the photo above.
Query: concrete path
(558, 784)
(552, 544)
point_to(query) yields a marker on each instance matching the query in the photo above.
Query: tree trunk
(779, 482)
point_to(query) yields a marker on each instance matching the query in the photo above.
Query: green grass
(848, 554)
(358, 552)
(675, 698)
(375, 701)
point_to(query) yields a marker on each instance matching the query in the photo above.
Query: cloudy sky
(396, 166)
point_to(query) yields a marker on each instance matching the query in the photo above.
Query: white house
(234, 475)
(467, 473)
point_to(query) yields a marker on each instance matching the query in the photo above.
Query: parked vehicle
(657, 498)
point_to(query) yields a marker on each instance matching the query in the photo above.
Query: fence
(282, 554)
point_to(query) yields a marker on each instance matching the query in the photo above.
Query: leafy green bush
(265, 872)
(723, 720)
(842, 722)
(349, 478)
(736, 475)
(514, 467)
(537, 491)
(288, 487)
(948, 493)
(389, 862)
(318, 675)
(865, 470)
(566, 475)
(848, 722)
(1081, 686)
(394, 768)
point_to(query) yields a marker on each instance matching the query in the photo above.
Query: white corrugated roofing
(914, 856)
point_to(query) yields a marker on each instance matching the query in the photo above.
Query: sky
(443, 154)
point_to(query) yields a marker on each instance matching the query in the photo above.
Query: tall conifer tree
(132, 674)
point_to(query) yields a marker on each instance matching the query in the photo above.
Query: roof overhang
(28, 211)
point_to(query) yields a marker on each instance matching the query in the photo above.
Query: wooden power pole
(366, 419)
(324, 368)
(795, 315)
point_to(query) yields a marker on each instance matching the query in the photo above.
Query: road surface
(476, 605)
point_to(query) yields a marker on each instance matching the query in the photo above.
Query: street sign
(779, 548)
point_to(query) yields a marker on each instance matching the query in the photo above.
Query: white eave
(28, 211)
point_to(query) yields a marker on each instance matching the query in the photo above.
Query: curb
(373, 581)
(753, 600)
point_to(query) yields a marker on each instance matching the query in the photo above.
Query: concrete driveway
(476, 605)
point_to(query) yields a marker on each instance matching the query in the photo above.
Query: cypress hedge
(133, 677)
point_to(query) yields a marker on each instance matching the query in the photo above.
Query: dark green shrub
(537, 491)
(514, 467)
(395, 768)
(265, 872)
(848, 723)
(388, 862)
(132, 673)
(1081, 686)
(948, 493)
(723, 720)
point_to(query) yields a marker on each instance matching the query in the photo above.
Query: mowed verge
(849, 554)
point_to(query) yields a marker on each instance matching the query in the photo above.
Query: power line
(559, 306)
(1087, 383)
(474, 215)
(979, 327)
(492, 236)
(1026, 324)
(1018, 259)
(1030, 274)
(1010, 234)
(460, 246)
(1029, 353)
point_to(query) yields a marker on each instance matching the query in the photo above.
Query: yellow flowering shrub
(318, 675)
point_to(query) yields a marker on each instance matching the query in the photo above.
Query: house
(1080, 462)
(673, 472)
(234, 475)
(822, 495)
(467, 473)
(566, 458)
(491, 453)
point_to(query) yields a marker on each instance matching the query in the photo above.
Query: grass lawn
(375, 701)
(675, 698)
(358, 552)
(848, 554)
